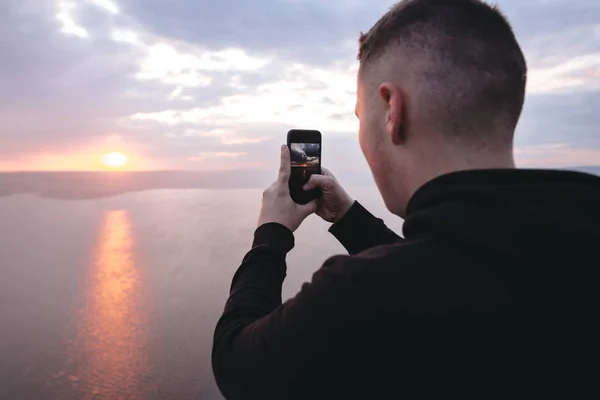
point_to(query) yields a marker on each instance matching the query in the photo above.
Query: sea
(111, 285)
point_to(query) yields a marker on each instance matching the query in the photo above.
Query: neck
(429, 165)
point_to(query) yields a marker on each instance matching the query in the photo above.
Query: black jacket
(492, 293)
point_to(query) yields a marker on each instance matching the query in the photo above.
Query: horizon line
(223, 170)
(123, 172)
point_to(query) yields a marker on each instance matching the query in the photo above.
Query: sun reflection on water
(111, 344)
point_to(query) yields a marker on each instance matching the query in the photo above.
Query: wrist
(344, 210)
(274, 221)
(274, 235)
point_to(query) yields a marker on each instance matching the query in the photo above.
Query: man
(492, 292)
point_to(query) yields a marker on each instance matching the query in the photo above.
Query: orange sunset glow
(95, 157)
(115, 160)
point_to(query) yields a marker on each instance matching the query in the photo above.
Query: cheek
(365, 139)
(375, 155)
(361, 137)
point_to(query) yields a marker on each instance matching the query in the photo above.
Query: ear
(393, 103)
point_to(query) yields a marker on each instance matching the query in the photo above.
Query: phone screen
(305, 161)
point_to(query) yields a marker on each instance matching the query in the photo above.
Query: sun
(115, 160)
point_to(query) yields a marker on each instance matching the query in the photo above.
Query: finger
(317, 181)
(326, 172)
(310, 208)
(284, 166)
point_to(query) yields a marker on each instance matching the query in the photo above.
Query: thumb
(284, 167)
(310, 208)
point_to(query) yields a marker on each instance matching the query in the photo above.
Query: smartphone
(305, 154)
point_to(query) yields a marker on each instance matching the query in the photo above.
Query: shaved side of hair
(461, 60)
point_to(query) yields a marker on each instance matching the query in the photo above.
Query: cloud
(296, 98)
(560, 117)
(219, 154)
(175, 79)
(556, 155)
(164, 62)
(578, 72)
(126, 36)
(106, 5)
(309, 31)
(68, 24)
(244, 140)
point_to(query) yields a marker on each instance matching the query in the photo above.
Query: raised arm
(359, 230)
(254, 335)
(355, 227)
(262, 346)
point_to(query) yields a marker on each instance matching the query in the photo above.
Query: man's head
(441, 87)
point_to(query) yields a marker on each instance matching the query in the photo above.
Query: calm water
(118, 297)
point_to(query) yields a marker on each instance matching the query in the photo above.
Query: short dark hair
(474, 70)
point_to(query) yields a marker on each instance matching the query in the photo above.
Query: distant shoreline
(82, 185)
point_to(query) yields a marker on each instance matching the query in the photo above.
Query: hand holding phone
(305, 155)
(277, 206)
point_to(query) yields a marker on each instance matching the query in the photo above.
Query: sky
(216, 84)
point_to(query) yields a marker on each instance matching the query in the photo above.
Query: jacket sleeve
(359, 230)
(261, 345)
